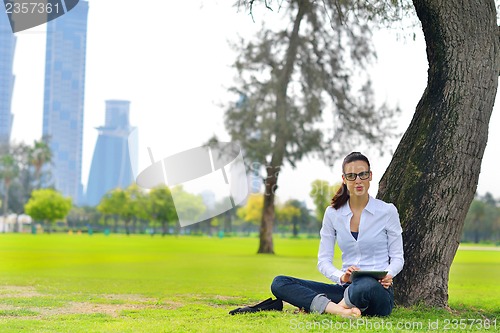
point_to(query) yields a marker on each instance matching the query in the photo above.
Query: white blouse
(379, 245)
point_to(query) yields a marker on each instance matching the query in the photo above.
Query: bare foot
(355, 313)
(343, 304)
(337, 309)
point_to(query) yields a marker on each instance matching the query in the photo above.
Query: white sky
(171, 59)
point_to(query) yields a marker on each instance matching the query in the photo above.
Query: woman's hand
(386, 281)
(347, 275)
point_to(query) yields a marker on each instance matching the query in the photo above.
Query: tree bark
(434, 172)
(282, 135)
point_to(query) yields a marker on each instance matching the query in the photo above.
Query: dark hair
(342, 196)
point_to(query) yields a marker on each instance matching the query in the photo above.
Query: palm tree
(39, 155)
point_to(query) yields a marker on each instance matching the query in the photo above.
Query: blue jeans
(365, 293)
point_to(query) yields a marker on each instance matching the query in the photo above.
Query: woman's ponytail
(341, 197)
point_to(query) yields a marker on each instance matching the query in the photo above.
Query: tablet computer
(375, 274)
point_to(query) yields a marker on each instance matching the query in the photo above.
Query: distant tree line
(134, 210)
(482, 223)
(25, 187)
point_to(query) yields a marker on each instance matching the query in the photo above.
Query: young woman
(368, 232)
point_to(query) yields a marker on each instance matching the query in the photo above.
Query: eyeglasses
(362, 175)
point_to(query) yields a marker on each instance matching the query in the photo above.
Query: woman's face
(357, 186)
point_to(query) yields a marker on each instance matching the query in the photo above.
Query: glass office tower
(7, 46)
(111, 165)
(64, 98)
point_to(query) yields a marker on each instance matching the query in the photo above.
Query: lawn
(118, 283)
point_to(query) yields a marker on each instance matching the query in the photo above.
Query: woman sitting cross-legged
(368, 233)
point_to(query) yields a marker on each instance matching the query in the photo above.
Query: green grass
(81, 283)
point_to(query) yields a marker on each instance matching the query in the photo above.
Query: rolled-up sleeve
(395, 243)
(326, 250)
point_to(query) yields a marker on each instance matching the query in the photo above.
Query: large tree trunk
(282, 135)
(434, 172)
(266, 226)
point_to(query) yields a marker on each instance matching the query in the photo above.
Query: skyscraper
(111, 165)
(64, 98)
(7, 46)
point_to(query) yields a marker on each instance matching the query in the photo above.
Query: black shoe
(268, 304)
